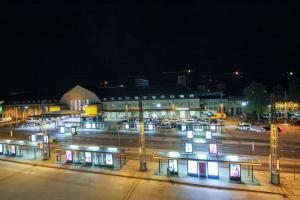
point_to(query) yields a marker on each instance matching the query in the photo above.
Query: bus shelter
(95, 156)
(206, 165)
(135, 126)
(198, 127)
(19, 148)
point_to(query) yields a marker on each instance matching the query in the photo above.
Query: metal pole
(252, 173)
(143, 166)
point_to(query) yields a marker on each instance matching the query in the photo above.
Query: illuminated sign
(33, 138)
(13, 149)
(73, 130)
(173, 166)
(208, 135)
(69, 155)
(45, 138)
(183, 128)
(88, 157)
(1, 148)
(126, 126)
(188, 147)
(235, 171)
(213, 149)
(190, 134)
(62, 129)
(192, 167)
(213, 169)
(109, 159)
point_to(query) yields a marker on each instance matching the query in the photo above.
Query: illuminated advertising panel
(212, 169)
(192, 167)
(235, 171)
(33, 138)
(88, 157)
(208, 135)
(73, 129)
(88, 125)
(1, 148)
(173, 166)
(13, 149)
(126, 126)
(109, 159)
(69, 156)
(150, 127)
(62, 129)
(188, 147)
(183, 128)
(190, 134)
(213, 149)
(45, 138)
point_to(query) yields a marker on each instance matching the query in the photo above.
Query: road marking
(131, 189)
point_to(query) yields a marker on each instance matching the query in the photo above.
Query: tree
(257, 97)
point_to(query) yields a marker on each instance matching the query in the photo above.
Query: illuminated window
(127, 98)
(172, 96)
(192, 95)
(153, 97)
(181, 96)
(120, 98)
(144, 97)
(162, 96)
(112, 98)
(104, 99)
(136, 98)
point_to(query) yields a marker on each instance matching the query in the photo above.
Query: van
(219, 115)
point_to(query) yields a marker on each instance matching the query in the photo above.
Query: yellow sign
(91, 110)
(54, 108)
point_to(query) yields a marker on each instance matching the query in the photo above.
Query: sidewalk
(288, 186)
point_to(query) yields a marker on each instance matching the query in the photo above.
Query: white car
(243, 127)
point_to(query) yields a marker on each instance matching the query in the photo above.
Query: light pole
(143, 166)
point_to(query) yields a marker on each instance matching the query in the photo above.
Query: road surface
(22, 182)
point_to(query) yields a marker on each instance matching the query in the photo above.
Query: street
(20, 181)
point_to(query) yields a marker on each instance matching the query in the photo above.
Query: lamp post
(143, 166)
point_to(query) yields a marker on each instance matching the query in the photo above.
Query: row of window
(145, 105)
(33, 102)
(146, 97)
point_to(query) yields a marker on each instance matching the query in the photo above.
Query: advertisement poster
(73, 130)
(13, 149)
(109, 159)
(235, 171)
(33, 138)
(188, 147)
(88, 157)
(69, 156)
(1, 148)
(183, 128)
(62, 129)
(45, 138)
(208, 135)
(190, 134)
(213, 169)
(192, 167)
(212, 127)
(173, 166)
(213, 149)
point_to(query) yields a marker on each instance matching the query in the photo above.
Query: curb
(146, 178)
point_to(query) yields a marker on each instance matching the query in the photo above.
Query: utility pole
(143, 166)
(46, 145)
(273, 156)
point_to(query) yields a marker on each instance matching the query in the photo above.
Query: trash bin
(45, 156)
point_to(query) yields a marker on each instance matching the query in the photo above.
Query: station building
(161, 101)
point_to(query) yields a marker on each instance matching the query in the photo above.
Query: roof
(144, 91)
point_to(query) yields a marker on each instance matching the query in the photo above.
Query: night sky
(54, 46)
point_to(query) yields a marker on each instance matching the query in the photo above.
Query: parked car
(243, 127)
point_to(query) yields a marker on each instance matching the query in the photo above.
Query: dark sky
(60, 44)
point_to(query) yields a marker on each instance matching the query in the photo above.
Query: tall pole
(273, 156)
(143, 166)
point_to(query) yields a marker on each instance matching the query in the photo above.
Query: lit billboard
(192, 168)
(188, 147)
(109, 159)
(69, 156)
(235, 171)
(212, 169)
(88, 157)
(213, 149)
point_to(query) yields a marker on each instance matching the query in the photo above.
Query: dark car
(268, 128)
